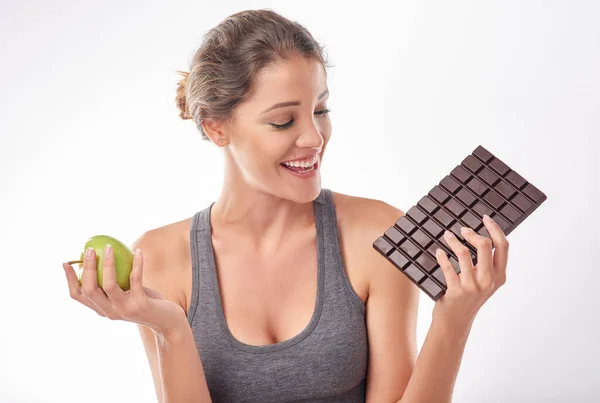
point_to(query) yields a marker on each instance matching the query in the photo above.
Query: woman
(274, 292)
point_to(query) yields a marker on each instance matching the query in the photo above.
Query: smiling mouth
(300, 169)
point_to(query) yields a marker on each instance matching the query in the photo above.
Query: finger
(485, 268)
(75, 289)
(109, 278)
(467, 271)
(135, 277)
(89, 285)
(89, 279)
(450, 275)
(500, 259)
(72, 281)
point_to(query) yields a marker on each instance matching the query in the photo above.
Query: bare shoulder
(366, 213)
(361, 221)
(164, 251)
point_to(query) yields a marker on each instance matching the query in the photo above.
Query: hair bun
(181, 98)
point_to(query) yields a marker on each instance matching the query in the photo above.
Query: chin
(299, 189)
(305, 193)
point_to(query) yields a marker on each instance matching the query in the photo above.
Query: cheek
(326, 136)
(325, 129)
(269, 152)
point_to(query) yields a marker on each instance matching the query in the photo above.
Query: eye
(286, 125)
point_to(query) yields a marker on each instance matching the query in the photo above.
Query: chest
(270, 297)
(267, 299)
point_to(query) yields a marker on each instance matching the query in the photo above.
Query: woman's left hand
(468, 291)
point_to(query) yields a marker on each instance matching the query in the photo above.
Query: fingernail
(107, 250)
(438, 252)
(88, 253)
(486, 217)
(138, 253)
(448, 234)
(465, 230)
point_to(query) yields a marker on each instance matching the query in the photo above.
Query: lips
(305, 158)
(301, 172)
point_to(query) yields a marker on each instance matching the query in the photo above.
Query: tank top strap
(201, 254)
(336, 278)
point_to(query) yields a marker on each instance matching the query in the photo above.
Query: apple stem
(75, 261)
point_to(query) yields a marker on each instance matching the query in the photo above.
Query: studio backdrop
(91, 143)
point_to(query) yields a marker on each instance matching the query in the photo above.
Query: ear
(215, 130)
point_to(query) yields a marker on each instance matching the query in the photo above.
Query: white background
(91, 142)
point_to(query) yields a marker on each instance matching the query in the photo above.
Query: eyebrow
(291, 103)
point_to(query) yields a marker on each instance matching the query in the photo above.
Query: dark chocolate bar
(481, 184)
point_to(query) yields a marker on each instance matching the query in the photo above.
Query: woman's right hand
(139, 304)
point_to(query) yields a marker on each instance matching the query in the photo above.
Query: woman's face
(285, 119)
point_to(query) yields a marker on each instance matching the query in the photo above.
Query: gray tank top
(325, 362)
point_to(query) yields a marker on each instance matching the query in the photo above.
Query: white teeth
(304, 164)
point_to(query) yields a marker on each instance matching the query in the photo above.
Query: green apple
(123, 257)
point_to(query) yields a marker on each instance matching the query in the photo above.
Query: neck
(257, 216)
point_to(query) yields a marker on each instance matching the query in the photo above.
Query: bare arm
(391, 306)
(180, 368)
(175, 364)
(149, 340)
(453, 315)
(172, 353)
(396, 373)
(437, 365)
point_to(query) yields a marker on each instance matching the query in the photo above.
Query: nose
(311, 138)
